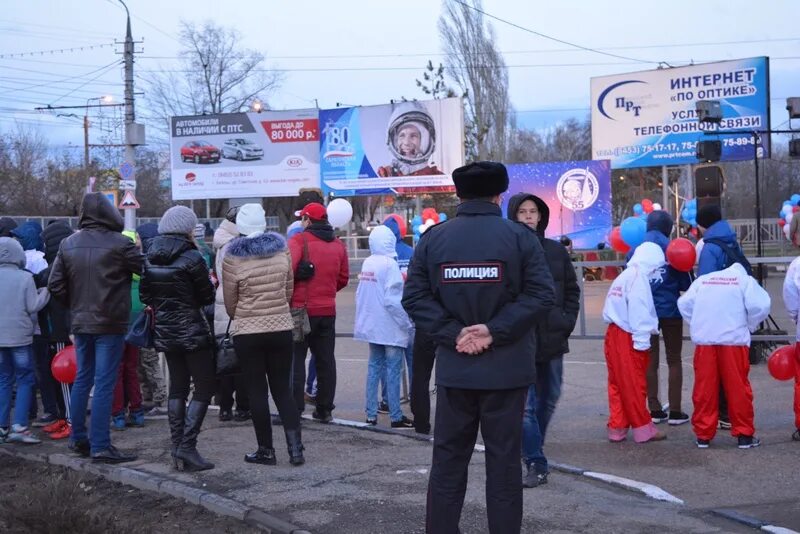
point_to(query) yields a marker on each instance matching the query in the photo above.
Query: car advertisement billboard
(578, 194)
(647, 119)
(404, 147)
(238, 155)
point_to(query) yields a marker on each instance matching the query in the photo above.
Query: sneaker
(533, 479)
(22, 434)
(63, 433)
(677, 418)
(702, 443)
(322, 417)
(383, 407)
(372, 422)
(225, 415)
(724, 424)
(80, 447)
(136, 418)
(112, 455)
(404, 424)
(44, 420)
(57, 426)
(156, 410)
(118, 422)
(748, 442)
(796, 435)
(241, 416)
(658, 416)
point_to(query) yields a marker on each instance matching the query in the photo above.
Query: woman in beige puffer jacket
(257, 284)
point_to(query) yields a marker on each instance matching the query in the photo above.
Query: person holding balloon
(791, 298)
(21, 302)
(722, 308)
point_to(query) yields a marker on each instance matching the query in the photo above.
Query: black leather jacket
(92, 272)
(176, 285)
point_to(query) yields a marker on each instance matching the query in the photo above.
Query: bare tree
(479, 70)
(433, 83)
(216, 75)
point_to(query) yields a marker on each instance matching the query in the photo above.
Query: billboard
(238, 155)
(578, 194)
(647, 119)
(404, 147)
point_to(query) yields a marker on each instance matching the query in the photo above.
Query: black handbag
(227, 363)
(305, 268)
(141, 332)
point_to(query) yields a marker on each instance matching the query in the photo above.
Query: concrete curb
(752, 522)
(149, 482)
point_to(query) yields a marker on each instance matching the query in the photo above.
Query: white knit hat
(251, 220)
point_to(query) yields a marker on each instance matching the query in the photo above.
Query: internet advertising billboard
(578, 194)
(238, 155)
(404, 147)
(648, 119)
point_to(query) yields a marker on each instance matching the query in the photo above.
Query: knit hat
(480, 179)
(708, 215)
(199, 231)
(177, 220)
(251, 220)
(661, 221)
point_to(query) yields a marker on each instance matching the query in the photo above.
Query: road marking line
(778, 530)
(650, 490)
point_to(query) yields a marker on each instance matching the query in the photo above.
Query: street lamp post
(106, 99)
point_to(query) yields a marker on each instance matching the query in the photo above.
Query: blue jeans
(532, 438)
(409, 357)
(98, 357)
(389, 360)
(311, 378)
(549, 376)
(16, 364)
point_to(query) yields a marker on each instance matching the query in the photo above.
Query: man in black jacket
(92, 276)
(477, 284)
(552, 334)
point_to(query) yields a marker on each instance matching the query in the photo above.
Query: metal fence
(273, 223)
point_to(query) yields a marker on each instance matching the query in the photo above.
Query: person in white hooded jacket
(722, 308)
(791, 299)
(383, 323)
(631, 317)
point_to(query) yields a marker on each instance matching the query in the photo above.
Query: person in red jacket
(318, 245)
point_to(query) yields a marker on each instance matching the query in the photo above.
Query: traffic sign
(111, 196)
(126, 170)
(127, 184)
(129, 201)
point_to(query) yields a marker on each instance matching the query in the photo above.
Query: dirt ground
(47, 499)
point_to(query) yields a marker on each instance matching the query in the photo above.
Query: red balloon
(65, 365)
(681, 254)
(647, 204)
(693, 232)
(781, 223)
(782, 363)
(616, 241)
(401, 223)
(795, 209)
(430, 213)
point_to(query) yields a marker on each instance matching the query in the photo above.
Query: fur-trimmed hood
(261, 246)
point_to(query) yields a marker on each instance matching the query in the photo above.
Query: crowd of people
(488, 300)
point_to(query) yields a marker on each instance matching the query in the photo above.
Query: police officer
(477, 284)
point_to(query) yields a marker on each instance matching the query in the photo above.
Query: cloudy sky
(370, 51)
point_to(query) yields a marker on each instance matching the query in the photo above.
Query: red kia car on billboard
(200, 152)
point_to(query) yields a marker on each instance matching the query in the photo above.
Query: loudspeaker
(709, 150)
(709, 181)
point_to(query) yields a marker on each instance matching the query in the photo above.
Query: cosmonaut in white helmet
(411, 138)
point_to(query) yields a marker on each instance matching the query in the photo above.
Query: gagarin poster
(578, 194)
(403, 148)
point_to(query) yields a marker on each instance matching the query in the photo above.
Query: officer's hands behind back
(474, 339)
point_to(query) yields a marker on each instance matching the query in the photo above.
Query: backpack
(733, 252)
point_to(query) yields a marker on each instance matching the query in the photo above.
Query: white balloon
(657, 207)
(786, 210)
(424, 227)
(430, 222)
(788, 217)
(340, 212)
(786, 230)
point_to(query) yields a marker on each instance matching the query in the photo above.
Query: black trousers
(227, 386)
(322, 342)
(459, 412)
(421, 369)
(188, 367)
(266, 361)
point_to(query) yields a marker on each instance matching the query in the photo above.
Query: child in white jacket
(722, 308)
(631, 317)
(791, 298)
(383, 323)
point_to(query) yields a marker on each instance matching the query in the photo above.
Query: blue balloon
(638, 209)
(795, 199)
(787, 202)
(416, 221)
(442, 217)
(632, 231)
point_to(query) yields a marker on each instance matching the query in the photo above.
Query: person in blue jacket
(666, 288)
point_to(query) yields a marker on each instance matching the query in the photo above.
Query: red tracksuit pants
(127, 391)
(797, 387)
(627, 387)
(730, 365)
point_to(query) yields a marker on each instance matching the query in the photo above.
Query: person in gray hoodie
(21, 302)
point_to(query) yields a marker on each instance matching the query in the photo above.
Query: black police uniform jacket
(479, 268)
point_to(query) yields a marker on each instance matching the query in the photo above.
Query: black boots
(295, 444)
(264, 455)
(186, 456)
(176, 413)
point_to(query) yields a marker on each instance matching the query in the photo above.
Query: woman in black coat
(176, 284)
